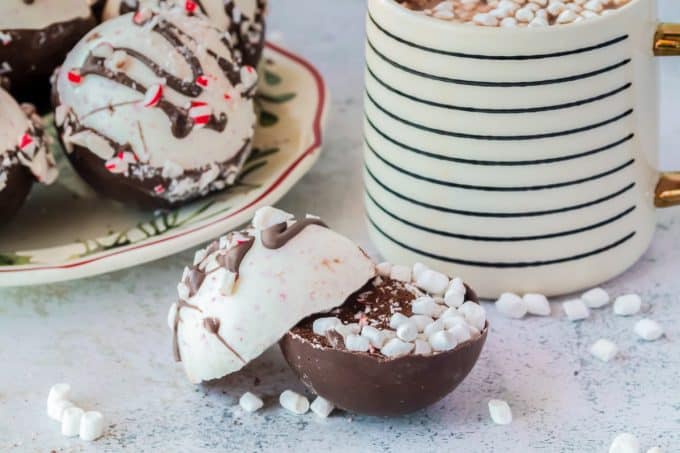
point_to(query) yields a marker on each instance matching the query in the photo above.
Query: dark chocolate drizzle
(212, 325)
(279, 235)
(233, 258)
(175, 337)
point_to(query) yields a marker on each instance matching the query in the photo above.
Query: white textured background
(107, 335)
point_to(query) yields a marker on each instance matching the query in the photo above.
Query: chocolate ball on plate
(243, 20)
(390, 349)
(35, 36)
(24, 155)
(154, 109)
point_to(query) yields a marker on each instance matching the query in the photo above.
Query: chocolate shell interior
(368, 382)
(17, 186)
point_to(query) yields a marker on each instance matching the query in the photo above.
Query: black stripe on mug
(499, 163)
(501, 215)
(505, 138)
(468, 237)
(503, 265)
(557, 185)
(480, 83)
(586, 49)
(546, 108)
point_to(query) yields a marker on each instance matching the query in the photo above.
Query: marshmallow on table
(627, 305)
(604, 350)
(322, 407)
(57, 400)
(648, 329)
(575, 310)
(396, 348)
(294, 402)
(56, 409)
(537, 304)
(500, 412)
(625, 443)
(250, 402)
(70, 421)
(595, 298)
(91, 425)
(655, 450)
(511, 305)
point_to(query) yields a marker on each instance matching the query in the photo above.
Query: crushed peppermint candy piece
(74, 76)
(200, 112)
(153, 95)
(202, 81)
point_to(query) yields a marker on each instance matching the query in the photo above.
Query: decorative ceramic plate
(66, 231)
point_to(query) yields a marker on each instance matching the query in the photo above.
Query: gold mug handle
(667, 44)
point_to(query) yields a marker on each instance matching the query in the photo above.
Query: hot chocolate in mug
(521, 159)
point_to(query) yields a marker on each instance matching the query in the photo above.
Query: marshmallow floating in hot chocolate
(245, 291)
(35, 37)
(154, 109)
(243, 20)
(392, 348)
(24, 154)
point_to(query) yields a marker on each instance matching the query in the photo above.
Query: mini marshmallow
(322, 407)
(432, 282)
(418, 269)
(250, 402)
(443, 341)
(422, 348)
(453, 298)
(322, 325)
(348, 329)
(625, 443)
(500, 412)
(461, 332)
(384, 269)
(648, 329)
(58, 392)
(511, 306)
(453, 321)
(359, 343)
(70, 421)
(655, 450)
(424, 305)
(627, 305)
(457, 285)
(433, 327)
(294, 402)
(398, 319)
(268, 216)
(91, 426)
(421, 321)
(56, 408)
(375, 336)
(575, 310)
(537, 304)
(396, 348)
(450, 312)
(474, 314)
(407, 331)
(596, 298)
(401, 273)
(604, 350)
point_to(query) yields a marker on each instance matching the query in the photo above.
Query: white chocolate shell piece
(226, 323)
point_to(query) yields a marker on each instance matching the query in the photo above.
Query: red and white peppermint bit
(153, 95)
(250, 69)
(190, 6)
(121, 162)
(25, 141)
(201, 113)
(159, 189)
(142, 16)
(202, 81)
(227, 97)
(74, 76)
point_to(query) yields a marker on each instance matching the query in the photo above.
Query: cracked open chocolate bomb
(35, 36)
(243, 20)
(24, 155)
(391, 348)
(154, 109)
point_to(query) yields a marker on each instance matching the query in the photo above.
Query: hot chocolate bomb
(247, 290)
(24, 155)
(243, 20)
(35, 36)
(154, 109)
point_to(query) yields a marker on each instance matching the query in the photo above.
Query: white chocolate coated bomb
(159, 95)
(230, 314)
(22, 142)
(17, 15)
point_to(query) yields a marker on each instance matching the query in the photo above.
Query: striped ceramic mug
(520, 159)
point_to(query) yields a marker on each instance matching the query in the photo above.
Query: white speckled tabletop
(107, 336)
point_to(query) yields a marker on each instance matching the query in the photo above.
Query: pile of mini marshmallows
(291, 401)
(74, 421)
(441, 319)
(522, 13)
(513, 306)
